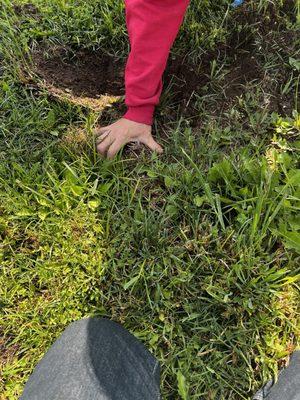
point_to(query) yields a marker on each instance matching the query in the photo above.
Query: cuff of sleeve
(141, 114)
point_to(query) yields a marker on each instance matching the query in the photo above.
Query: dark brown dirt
(6, 353)
(27, 10)
(243, 71)
(92, 74)
(85, 73)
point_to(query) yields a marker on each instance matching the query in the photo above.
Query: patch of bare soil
(90, 79)
(6, 353)
(29, 10)
(84, 73)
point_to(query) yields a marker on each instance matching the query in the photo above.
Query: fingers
(101, 137)
(101, 131)
(110, 139)
(114, 148)
(151, 143)
(104, 145)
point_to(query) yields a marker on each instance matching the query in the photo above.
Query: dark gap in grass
(26, 10)
(8, 352)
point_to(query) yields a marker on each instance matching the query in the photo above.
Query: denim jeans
(288, 385)
(96, 359)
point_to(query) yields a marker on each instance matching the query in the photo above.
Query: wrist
(142, 114)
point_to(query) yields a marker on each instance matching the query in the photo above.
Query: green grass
(195, 252)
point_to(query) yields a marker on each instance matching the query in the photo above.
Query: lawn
(197, 251)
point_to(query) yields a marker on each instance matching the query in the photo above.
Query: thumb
(151, 143)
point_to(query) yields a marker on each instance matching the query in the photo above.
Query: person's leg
(95, 359)
(152, 26)
(288, 385)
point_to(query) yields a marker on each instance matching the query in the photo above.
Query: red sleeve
(152, 26)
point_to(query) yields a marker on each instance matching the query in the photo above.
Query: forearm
(152, 26)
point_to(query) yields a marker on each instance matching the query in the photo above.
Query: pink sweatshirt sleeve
(152, 26)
